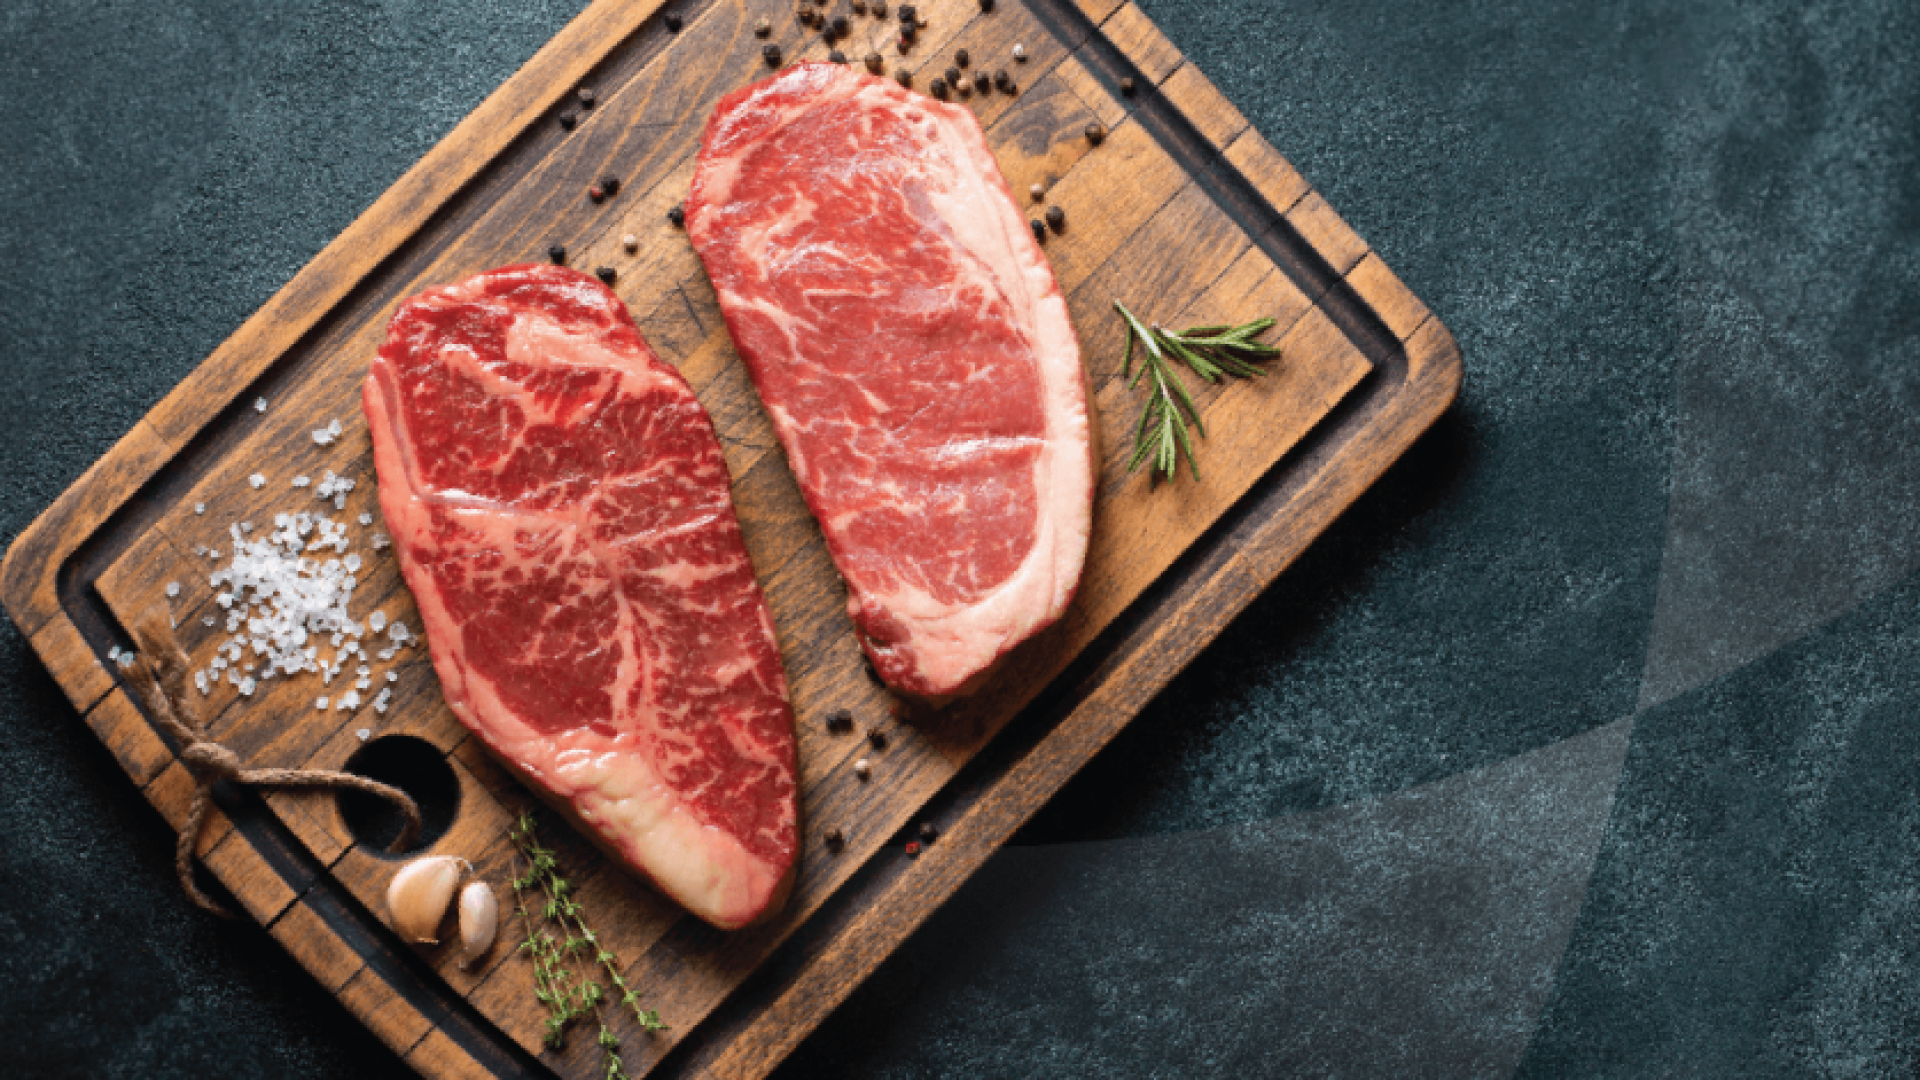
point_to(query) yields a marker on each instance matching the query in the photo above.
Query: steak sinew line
(914, 353)
(563, 518)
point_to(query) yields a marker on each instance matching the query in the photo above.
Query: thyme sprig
(1212, 352)
(568, 995)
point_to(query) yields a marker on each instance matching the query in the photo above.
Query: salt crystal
(366, 519)
(199, 508)
(351, 562)
(393, 676)
(114, 653)
(300, 482)
(363, 733)
(320, 703)
(173, 588)
(259, 404)
(322, 436)
(349, 700)
(257, 480)
(246, 686)
(206, 620)
(339, 502)
(334, 428)
(377, 622)
(363, 670)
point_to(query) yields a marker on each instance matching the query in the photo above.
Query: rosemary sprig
(567, 1003)
(1213, 352)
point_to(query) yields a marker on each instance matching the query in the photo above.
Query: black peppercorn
(586, 96)
(873, 63)
(986, 6)
(938, 89)
(953, 76)
(840, 27)
(678, 216)
(1002, 81)
(558, 254)
(878, 738)
(1039, 230)
(835, 839)
(772, 55)
(905, 78)
(568, 119)
(1056, 218)
(961, 58)
(839, 721)
(981, 84)
(610, 185)
(838, 57)
(1096, 134)
(1126, 87)
(902, 44)
(673, 22)
(878, 7)
(928, 833)
(605, 274)
(859, 6)
(909, 13)
(908, 31)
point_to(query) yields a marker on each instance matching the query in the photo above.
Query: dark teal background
(1676, 512)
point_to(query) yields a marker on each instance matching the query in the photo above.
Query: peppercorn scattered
(1056, 219)
(558, 254)
(982, 84)
(938, 89)
(1002, 81)
(928, 834)
(606, 274)
(587, 96)
(986, 6)
(762, 27)
(913, 849)
(909, 31)
(596, 194)
(1037, 192)
(1039, 230)
(859, 6)
(908, 13)
(905, 78)
(873, 63)
(1019, 54)
(839, 721)
(840, 27)
(878, 738)
(902, 45)
(838, 57)
(772, 55)
(863, 769)
(630, 242)
(1096, 134)
(878, 7)
(677, 215)
(1126, 86)
(961, 58)
(835, 839)
(673, 22)
(610, 184)
(568, 119)
(953, 76)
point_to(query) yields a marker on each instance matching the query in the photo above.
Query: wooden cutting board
(1183, 211)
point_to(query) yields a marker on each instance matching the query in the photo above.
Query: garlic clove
(419, 894)
(479, 918)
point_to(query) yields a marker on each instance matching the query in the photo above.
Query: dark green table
(1584, 745)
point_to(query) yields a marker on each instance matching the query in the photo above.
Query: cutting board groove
(1184, 210)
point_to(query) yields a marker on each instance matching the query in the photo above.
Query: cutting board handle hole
(414, 766)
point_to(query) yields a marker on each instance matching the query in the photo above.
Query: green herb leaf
(1211, 352)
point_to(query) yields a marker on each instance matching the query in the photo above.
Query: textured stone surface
(1679, 244)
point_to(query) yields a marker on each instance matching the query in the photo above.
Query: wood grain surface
(1182, 210)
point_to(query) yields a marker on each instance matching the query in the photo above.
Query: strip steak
(562, 514)
(913, 351)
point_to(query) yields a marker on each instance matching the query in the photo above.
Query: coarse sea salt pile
(288, 598)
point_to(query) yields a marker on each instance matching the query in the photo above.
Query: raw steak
(914, 354)
(562, 515)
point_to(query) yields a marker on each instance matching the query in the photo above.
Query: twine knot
(210, 761)
(161, 678)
